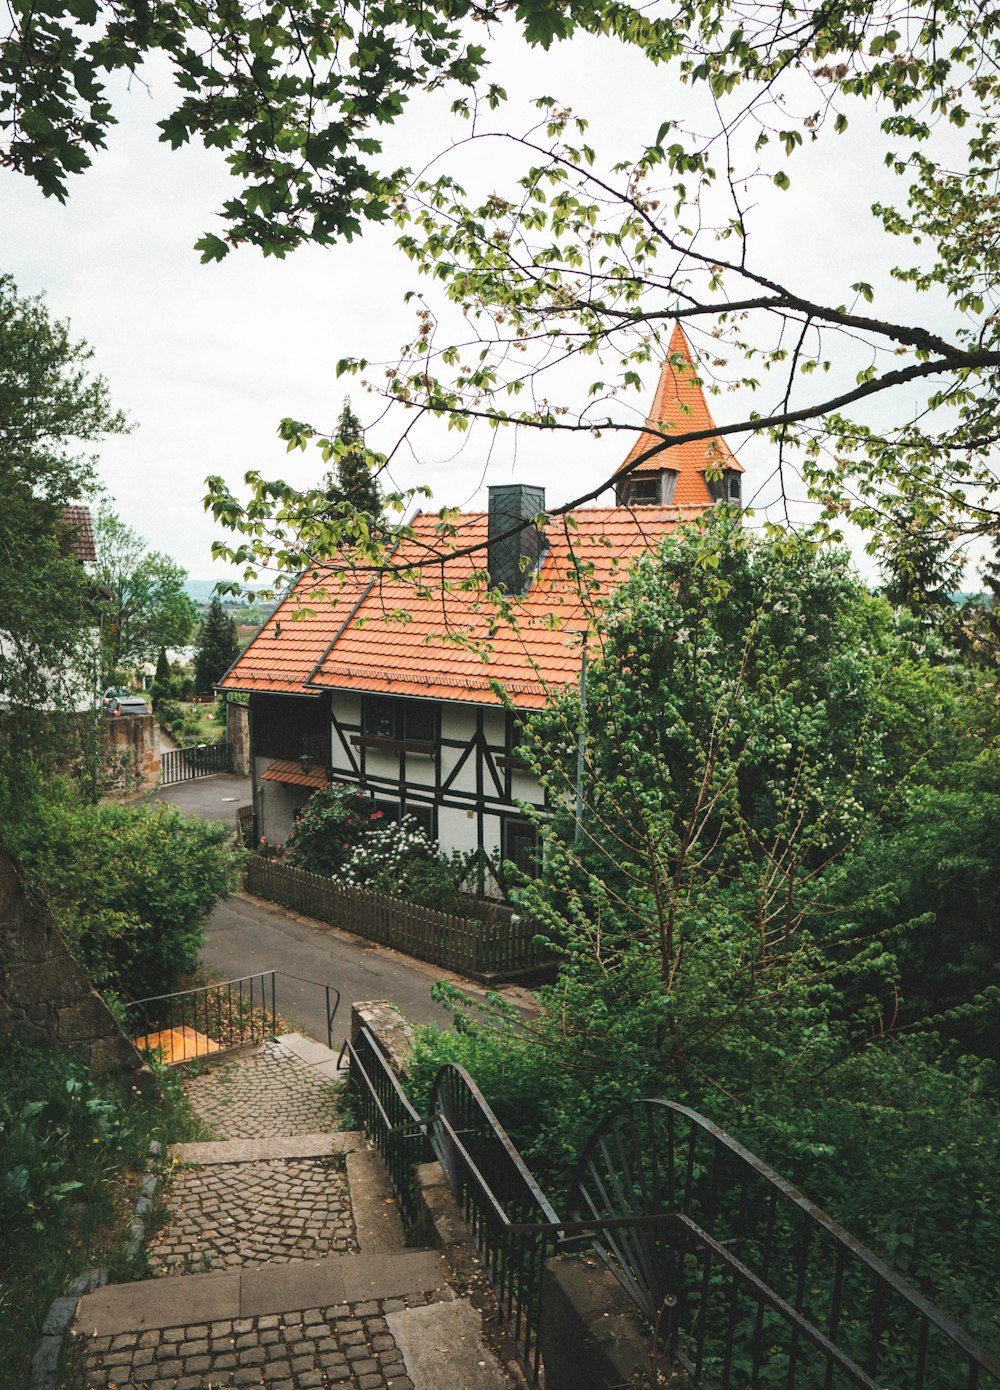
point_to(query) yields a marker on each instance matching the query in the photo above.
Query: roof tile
(79, 532)
(452, 643)
(679, 406)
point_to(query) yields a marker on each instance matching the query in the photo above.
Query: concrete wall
(591, 1332)
(45, 998)
(131, 752)
(277, 803)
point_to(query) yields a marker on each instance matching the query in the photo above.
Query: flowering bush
(327, 828)
(340, 835)
(379, 858)
(401, 859)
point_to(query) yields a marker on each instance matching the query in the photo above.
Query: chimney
(509, 504)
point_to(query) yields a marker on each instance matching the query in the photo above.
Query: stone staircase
(283, 1262)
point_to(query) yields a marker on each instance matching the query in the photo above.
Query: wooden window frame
(399, 741)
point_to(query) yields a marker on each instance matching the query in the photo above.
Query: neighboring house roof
(79, 532)
(679, 407)
(390, 638)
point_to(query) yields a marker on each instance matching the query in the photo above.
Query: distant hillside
(202, 591)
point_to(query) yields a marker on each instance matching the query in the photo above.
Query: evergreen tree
(919, 569)
(161, 679)
(351, 479)
(216, 648)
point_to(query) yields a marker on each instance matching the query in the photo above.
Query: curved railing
(748, 1283)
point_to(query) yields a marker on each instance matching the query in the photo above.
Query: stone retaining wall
(45, 997)
(131, 752)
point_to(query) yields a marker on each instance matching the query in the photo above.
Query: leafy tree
(577, 259)
(351, 480)
(580, 256)
(52, 411)
(216, 647)
(143, 605)
(131, 887)
(747, 721)
(293, 98)
(754, 719)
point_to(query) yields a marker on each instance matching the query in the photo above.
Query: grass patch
(191, 723)
(72, 1152)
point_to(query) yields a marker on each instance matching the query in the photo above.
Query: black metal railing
(210, 1019)
(390, 1121)
(747, 1282)
(511, 1220)
(197, 760)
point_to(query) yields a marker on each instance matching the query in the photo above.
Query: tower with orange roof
(697, 472)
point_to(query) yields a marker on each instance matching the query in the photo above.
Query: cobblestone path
(270, 1093)
(287, 1255)
(229, 1214)
(349, 1345)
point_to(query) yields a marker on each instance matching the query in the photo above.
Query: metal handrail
(390, 1120)
(235, 1021)
(643, 1220)
(455, 1069)
(331, 1014)
(634, 1163)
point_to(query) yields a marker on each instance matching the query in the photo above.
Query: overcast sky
(206, 360)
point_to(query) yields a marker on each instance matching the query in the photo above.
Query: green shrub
(131, 887)
(168, 711)
(68, 1142)
(400, 859)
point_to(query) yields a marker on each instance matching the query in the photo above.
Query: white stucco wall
(276, 805)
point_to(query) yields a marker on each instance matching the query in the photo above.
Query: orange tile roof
(290, 773)
(453, 644)
(679, 406)
(293, 639)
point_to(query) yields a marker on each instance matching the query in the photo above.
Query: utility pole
(581, 743)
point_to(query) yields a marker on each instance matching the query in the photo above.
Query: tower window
(644, 492)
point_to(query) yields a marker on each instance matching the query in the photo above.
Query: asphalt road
(212, 798)
(246, 936)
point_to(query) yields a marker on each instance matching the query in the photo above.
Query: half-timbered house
(409, 710)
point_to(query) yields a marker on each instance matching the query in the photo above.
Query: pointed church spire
(676, 476)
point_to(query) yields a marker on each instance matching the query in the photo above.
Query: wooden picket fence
(490, 951)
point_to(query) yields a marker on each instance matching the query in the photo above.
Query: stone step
(256, 1150)
(377, 1221)
(251, 1293)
